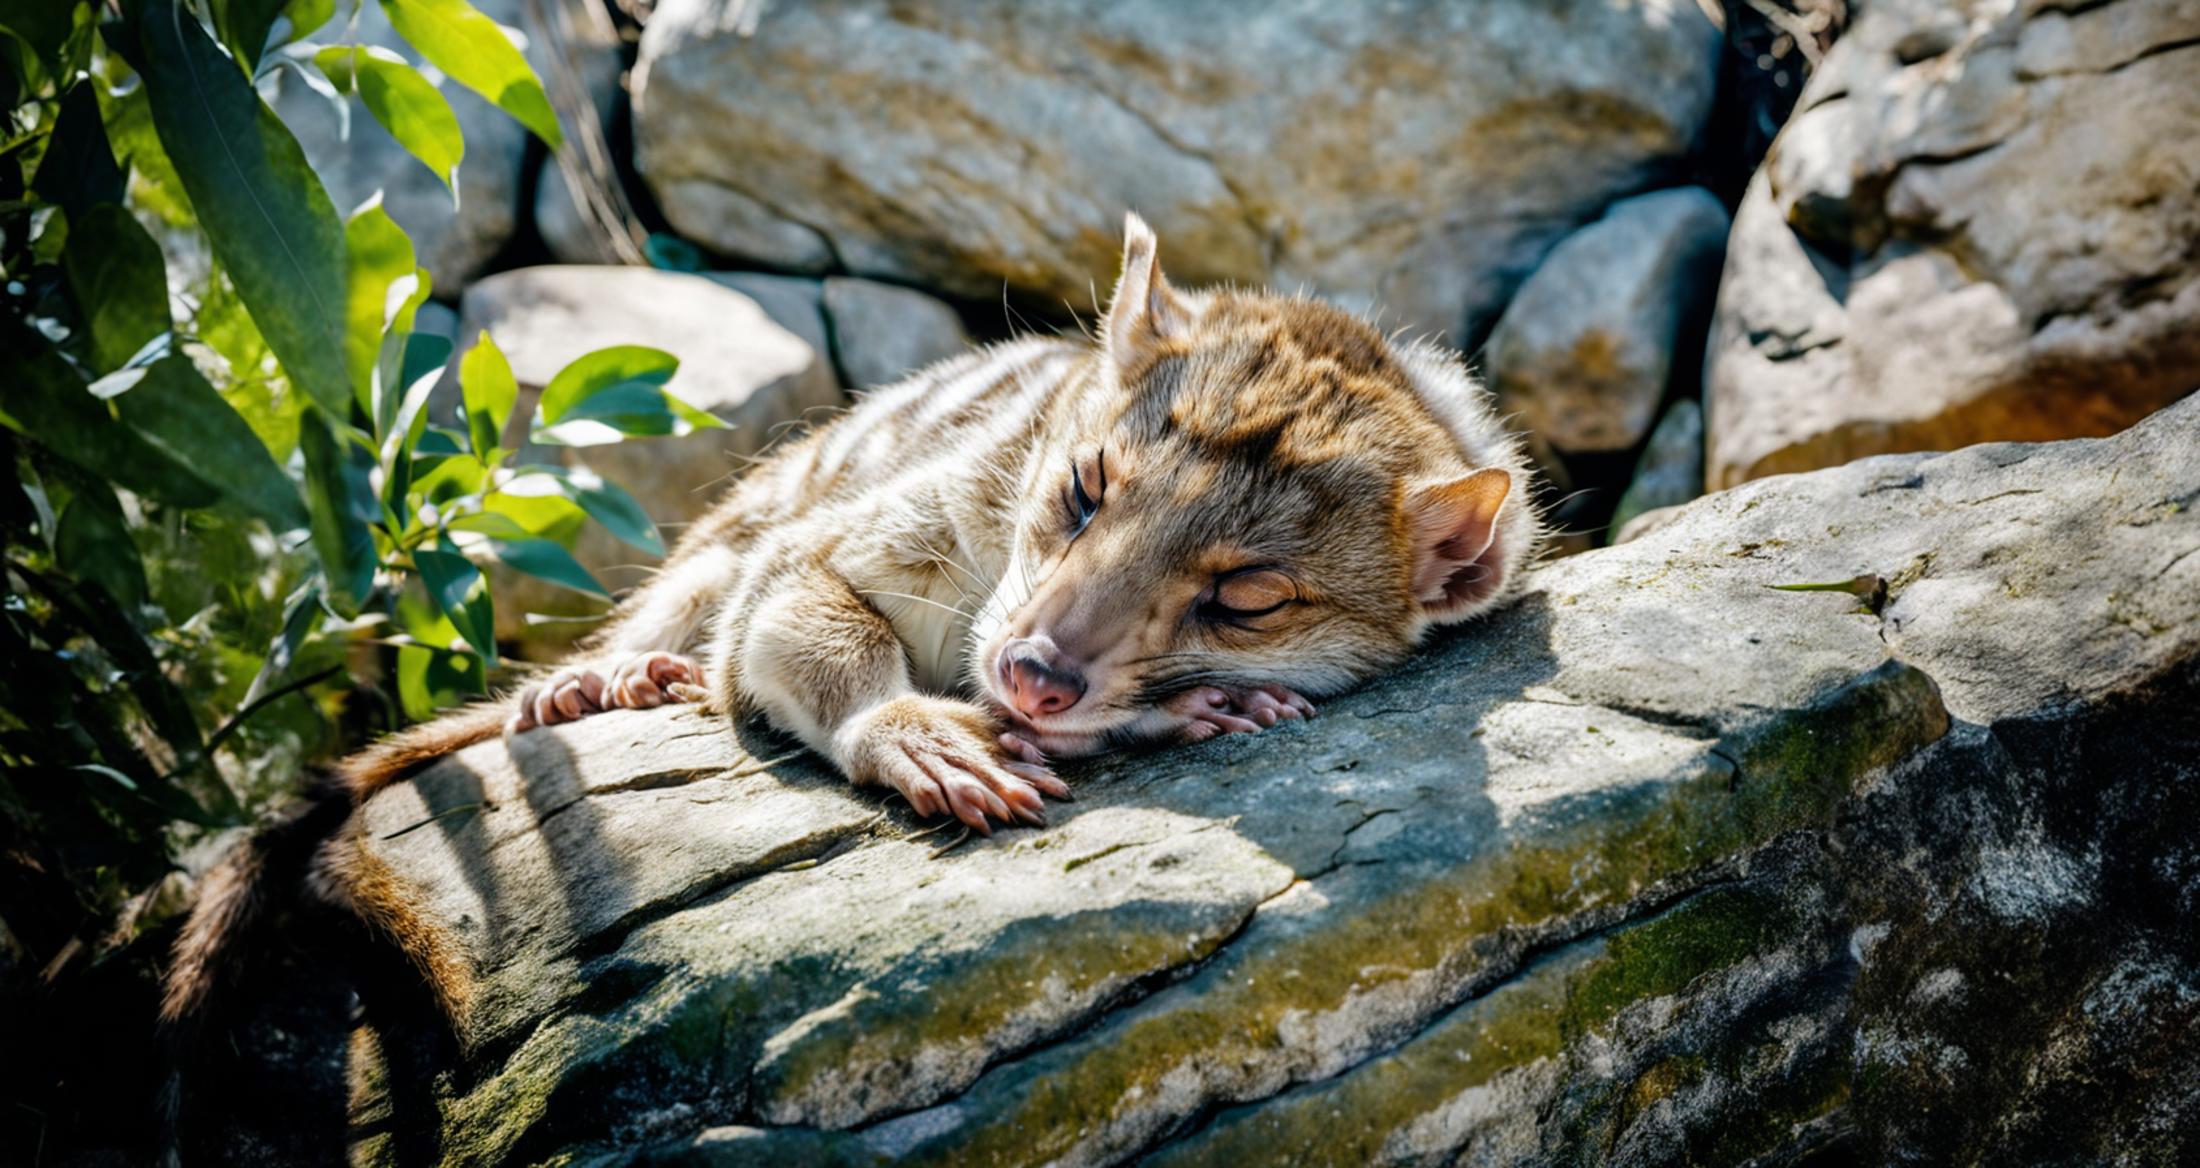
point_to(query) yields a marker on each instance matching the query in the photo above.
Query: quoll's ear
(1458, 564)
(1144, 310)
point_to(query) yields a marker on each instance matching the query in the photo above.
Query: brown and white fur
(1231, 503)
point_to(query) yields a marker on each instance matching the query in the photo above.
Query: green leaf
(450, 478)
(340, 499)
(244, 25)
(47, 402)
(411, 109)
(174, 410)
(485, 377)
(119, 281)
(430, 680)
(93, 543)
(301, 614)
(546, 560)
(380, 254)
(266, 215)
(78, 171)
(461, 593)
(407, 357)
(620, 367)
(474, 52)
(609, 505)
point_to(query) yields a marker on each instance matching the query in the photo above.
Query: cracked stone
(1678, 863)
(1420, 159)
(1977, 228)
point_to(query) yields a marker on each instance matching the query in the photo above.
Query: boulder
(735, 362)
(1670, 472)
(1417, 157)
(875, 332)
(1845, 818)
(1585, 351)
(882, 333)
(1977, 227)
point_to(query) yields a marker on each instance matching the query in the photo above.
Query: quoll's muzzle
(1039, 678)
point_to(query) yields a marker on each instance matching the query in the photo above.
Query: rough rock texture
(882, 332)
(1670, 472)
(875, 332)
(1584, 353)
(1980, 225)
(735, 362)
(1419, 157)
(1660, 864)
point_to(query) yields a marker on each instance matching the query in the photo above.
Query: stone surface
(1670, 472)
(1978, 226)
(875, 332)
(882, 333)
(735, 362)
(1661, 863)
(1584, 353)
(1415, 157)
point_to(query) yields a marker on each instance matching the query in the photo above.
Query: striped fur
(861, 586)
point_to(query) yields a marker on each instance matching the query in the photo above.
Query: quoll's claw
(945, 758)
(1213, 710)
(632, 683)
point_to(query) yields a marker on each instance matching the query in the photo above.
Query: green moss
(1795, 770)
(1663, 955)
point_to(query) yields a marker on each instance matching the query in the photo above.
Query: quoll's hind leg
(1212, 710)
(828, 667)
(638, 681)
(644, 659)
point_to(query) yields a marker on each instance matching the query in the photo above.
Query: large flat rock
(1660, 863)
(1417, 157)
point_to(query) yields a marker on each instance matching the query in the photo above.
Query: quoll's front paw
(636, 682)
(1211, 710)
(946, 757)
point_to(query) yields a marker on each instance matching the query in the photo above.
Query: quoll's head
(1257, 490)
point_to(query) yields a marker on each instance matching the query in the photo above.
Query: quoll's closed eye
(1251, 592)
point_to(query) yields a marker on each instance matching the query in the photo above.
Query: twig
(236, 721)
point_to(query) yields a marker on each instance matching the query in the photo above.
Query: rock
(735, 362)
(1977, 228)
(1585, 351)
(1660, 863)
(1419, 157)
(1671, 470)
(875, 332)
(453, 244)
(795, 303)
(882, 333)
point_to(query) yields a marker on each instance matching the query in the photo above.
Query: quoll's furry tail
(308, 848)
(237, 893)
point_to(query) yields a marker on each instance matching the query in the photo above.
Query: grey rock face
(882, 333)
(1418, 157)
(1659, 863)
(1978, 226)
(735, 362)
(1671, 470)
(1585, 351)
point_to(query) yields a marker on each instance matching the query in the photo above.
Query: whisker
(919, 599)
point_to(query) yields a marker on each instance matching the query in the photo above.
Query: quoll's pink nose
(1036, 686)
